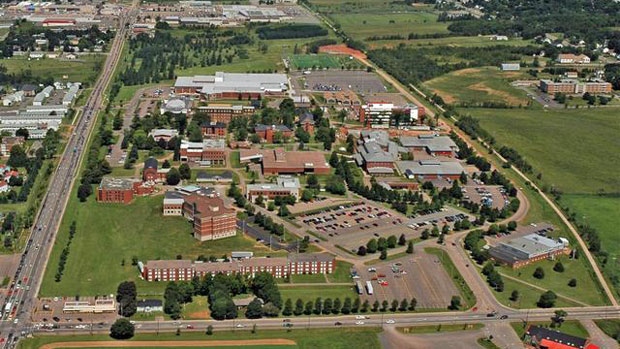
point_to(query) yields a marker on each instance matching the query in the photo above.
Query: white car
(359, 317)
(240, 325)
(390, 321)
(359, 322)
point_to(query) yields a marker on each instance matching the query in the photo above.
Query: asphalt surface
(16, 322)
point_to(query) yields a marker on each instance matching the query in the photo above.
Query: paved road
(38, 249)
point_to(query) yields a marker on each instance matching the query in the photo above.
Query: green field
(463, 41)
(318, 61)
(309, 293)
(342, 338)
(528, 296)
(610, 327)
(576, 150)
(84, 69)
(571, 327)
(439, 328)
(361, 26)
(108, 227)
(477, 85)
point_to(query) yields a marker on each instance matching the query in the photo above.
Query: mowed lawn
(84, 69)
(341, 338)
(576, 150)
(476, 85)
(107, 234)
(310, 293)
(361, 26)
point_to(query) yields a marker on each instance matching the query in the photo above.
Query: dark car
(338, 323)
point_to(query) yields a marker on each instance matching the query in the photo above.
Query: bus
(360, 288)
(369, 287)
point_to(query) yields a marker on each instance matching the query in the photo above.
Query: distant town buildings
(279, 267)
(284, 186)
(278, 161)
(510, 66)
(569, 58)
(232, 85)
(8, 143)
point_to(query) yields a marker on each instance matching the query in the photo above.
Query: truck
(369, 289)
(360, 288)
(7, 307)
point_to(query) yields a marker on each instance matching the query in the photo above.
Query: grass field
(361, 26)
(108, 227)
(610, 327)
(554, 141)
(342, 338)
(309, 61)
(86, 69)
(571, 327)
(463, 41)
(342, 273)
(439, 328)
(476, 85)
(309, 293)
(558, 282)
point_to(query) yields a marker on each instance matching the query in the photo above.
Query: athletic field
(317, 61)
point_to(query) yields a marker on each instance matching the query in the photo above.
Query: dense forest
(290, 31)
(581, 19)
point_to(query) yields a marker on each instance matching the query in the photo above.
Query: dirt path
(162, 344)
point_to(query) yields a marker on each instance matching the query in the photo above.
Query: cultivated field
(107, 239)
(84, 69)
(479, 85)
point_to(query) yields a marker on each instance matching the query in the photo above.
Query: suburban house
(569, 58)
(284, 186)
(424, 170)
(225, 112)
(574, 87)
(277, 161)
(279, 267)
(267, 132)
(209, 152)
(546, 338)
(211, 219)
(528, 249)
(232, 85)
(120, 190)
(430, 143)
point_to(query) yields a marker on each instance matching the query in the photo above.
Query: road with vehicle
(28, 275)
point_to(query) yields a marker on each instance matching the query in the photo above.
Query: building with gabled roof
(432, 144)
(546, 338)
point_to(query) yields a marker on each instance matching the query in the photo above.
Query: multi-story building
(569, 58)
(386, 115)
(226, 112)
(284, 186)
(432, 144)
(232, 85)
(574, 87)
(149, 173)
(121, 190)
(528, 249)
(213, 129)
(278, 161)
(173, 203)
(376, 153)
(267, 132)
(209, 152)
(279, 267)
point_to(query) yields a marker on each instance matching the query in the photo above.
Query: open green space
(479, 85)
(566, 146)
(468, 299)
(528, 296)
(361, 26)
(108, 227)
(308, 279)
(611, 327)
(310, 293)
(341, 338)
(571, 327)
(557, 282)
(463, 41)
(318, 60)
(439, 328)
(342, 273)
(84, 69)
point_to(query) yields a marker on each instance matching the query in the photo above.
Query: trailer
(360, 288)
(369, 287)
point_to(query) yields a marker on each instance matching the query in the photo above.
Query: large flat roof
(429, 167)
(234, 82)
(432, 143)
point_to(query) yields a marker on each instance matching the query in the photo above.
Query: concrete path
(598, 336)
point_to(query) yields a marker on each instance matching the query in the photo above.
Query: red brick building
(225, 112)
(119, 190)
(209, 152)
(306, 121)
(574, 87)
(278, 161)
(279, 267)
(213, 129)
(232, 85)
(267, 132)
(149, 173)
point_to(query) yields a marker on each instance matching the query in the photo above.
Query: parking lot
(493, 195)
(358, 81)
(419, 276)
(49, 311)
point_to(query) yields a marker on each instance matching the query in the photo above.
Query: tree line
(290, 31)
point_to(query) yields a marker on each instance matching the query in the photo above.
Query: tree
(425, 234)
(371, 246)
(288, 308)
(327, 306)
(558, 267)
(402, 241)
(409, 247)
(117, 123)
(559, 316)
(391, 241)
(184, 171)
(18, 157)
(361, 251)
(346, 306)
(384, 305)
(333, 159)
(22, 132)
(122, 329)
(126, 296)
(383, 255)
(455, 303)
(209, 330)
(318, 306)
(413, 304)
(84, 191)
(173, 177)
(375, 306)
(539, 273)
(307, 195)
(514, 296)
(547, 300)
(299, 307)
(572, 283)
(312, 181)
(337, 306)
(254, 309)
(166, 164)
(404, 304)
(394, 305)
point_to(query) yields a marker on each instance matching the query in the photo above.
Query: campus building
(386, 115)
(547, 338)
(213, 129)
(424, 170)
(226, 112)
(433, 145)
(232, 85)
(528, 249)
(285, 186)
(149, 173)
(267, 132)
(121, 190)
(163, 134)
(376, 153)
(279, 267)
(570, 58)
(8, 143)
(211, 219)
(574, 87)
(278, 161)
(209, 152)
(98, 306)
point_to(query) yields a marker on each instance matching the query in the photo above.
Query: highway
(28, 276)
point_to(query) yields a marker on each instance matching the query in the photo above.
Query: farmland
(479, 85)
